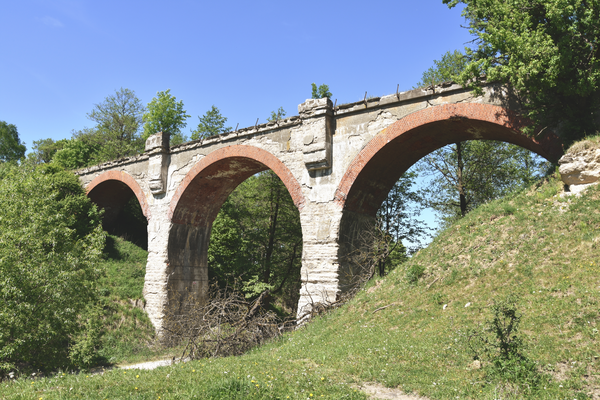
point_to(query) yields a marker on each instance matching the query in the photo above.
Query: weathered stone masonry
(338, 165)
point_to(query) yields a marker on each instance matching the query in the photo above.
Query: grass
(414, 333)
(128, 334)
(589, 143)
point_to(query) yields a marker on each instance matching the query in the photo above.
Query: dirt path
(378, 391)
(371, 389)
(148, 365)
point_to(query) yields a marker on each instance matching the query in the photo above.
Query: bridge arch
(196, 203)
(111, 191)
(377, 167)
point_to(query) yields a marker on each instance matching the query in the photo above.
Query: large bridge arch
(376, 168)
(197, 202)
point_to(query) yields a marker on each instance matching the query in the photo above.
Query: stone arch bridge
(338, 164)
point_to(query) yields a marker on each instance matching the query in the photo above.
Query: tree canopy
(11, 148)
(257, 238)
(75, 153)
(52, 239)
(210, 124)
(44, 149)
(549, 53)
(116, 135)
(118, 122)
(321, 91)
(165, 114)
(448, 68)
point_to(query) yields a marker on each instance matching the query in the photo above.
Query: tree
(277, 115)
(321, 91)
(166, 115)
(398, 217)
(465, 175)
(11, 148)
(257, 237)
(447, 69)
(75, 153)
(211, 124)
(44, 150)
(117, 132)
(547, 51)
(52, 240)
(468, 174)
(116, 135)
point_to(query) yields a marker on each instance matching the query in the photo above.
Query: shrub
(50, 241)
(502, 348)
(414, 272)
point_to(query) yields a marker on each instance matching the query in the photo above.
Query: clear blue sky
(61, 57)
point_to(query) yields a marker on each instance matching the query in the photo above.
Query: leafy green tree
(211, 124)
(52, 239)
(320, 91)
(546, 50)
(165, 114)
(277, 115)
(468, 174)
(44, 150)
(118, 123)
(11, 148)
(75, 153)
(257, 237)
(465, 175)
(116, 135)
(449, 68)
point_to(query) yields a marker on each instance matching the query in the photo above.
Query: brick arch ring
(548, 147)
(128, 180)
(241, 151)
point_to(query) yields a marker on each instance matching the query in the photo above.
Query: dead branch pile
(227, 324)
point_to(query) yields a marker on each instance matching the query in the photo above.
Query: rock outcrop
(581, 167)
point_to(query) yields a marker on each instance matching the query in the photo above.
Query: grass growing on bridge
(541, 248)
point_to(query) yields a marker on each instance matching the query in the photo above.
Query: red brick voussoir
(268, 160)
(128, 180)
(548, 147)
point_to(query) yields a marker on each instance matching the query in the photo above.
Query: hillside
(414, 329)
(128, 334)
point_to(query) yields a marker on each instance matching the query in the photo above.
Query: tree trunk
(275, 200)
(460, 183)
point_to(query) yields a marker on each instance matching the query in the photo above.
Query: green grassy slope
(535, 245)
(128, 334)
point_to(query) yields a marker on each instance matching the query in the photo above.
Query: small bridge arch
(112, 189)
